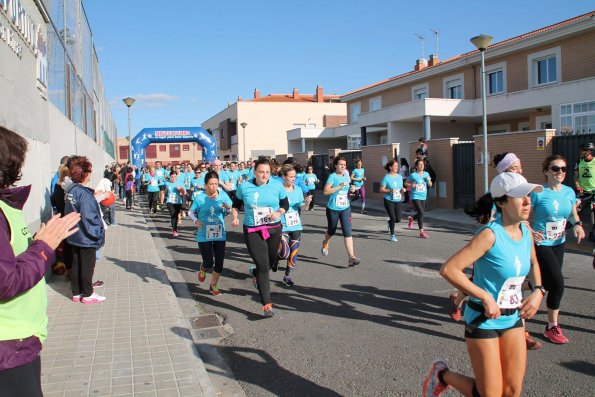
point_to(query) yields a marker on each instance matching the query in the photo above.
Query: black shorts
(479, 333)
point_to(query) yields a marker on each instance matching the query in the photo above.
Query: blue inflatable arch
(172, 135)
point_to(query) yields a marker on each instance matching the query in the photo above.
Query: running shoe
(252, 272)
(532, 344)
(432, 386)
(214, 290)
(455, 311)
(424, 235)
(324, 249)
(76, 298)
(393, 238)
(410, 225)
(555, 335)
(288, 282)
(93, 298)
(174, 234)
(202, 275)
(98, 284)
(354, 261)
(268, 310)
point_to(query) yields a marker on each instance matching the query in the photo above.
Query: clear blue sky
(184, 60)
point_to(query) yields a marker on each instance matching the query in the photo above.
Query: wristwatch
(540, 288)
(578, 223)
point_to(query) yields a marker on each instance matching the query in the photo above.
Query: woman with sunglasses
(552, 209)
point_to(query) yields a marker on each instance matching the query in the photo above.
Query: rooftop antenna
(437, 34)
(421, 39)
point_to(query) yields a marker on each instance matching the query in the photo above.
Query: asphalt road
(373, 329)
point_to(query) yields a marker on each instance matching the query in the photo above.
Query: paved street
(370, 330)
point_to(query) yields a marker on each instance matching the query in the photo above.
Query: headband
(506, 162)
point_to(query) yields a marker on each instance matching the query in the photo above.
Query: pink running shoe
(76, 298)
(555, 335)
(432, 386)
(410, 222)
(175, 234)
(93, 298)
(424, 235)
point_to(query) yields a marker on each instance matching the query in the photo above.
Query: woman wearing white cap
(503, 254)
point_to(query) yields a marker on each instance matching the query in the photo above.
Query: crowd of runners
(515, 263)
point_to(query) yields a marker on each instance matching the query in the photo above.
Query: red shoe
(455, 311)
(432, 386)
(532, 344)
(175, 234)
(555, 335)
(410, 222)
(214, 290)
(424, 235)
(202, 275)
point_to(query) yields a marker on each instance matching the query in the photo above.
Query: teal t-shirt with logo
(260, 201)
(291, 219)
(338, 201)
(358, 173)
(211, 213)
(551, 210)
(393, 182)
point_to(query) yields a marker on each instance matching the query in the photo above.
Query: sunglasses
(555, 168)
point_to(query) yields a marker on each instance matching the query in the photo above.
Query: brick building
(167, 153)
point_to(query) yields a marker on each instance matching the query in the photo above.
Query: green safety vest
(23, 315)
(586, 174)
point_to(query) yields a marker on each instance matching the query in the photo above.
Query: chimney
(420, 64)
(228, 104)
(433, 60)
(296, 93)
(256, 93)
(319, 94)
(239, 99)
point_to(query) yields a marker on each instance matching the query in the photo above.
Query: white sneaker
(93, 298)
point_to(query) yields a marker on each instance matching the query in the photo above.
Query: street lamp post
(129, 102)
(243, 125)
(481, 42)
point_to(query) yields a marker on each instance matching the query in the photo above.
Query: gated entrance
(350, 157)
(319, 163)
(567, 146)
(464, 174)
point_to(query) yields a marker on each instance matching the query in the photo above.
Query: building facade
(259, 126)
(543, 79)
(52, 92)
(167, 153)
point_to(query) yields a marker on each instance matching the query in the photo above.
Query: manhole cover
(206, 321)
(209, 333)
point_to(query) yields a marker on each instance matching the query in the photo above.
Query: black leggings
(128, 198)
(153, 200)
(211, 249)
(21, 381)
(550, 263)
(174, 211)
(265, 254)
(419, 215)
(332, 218)
(83, 267)
(393, 208)
(311, 193)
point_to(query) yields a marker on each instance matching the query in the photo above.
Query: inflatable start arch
(172, 135)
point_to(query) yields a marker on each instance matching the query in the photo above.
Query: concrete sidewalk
(137, 343)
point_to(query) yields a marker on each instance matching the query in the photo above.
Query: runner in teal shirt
(419, 181)
(292, 223)
(392, 187)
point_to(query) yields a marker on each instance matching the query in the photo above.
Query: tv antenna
(437, 34)
(421, 39)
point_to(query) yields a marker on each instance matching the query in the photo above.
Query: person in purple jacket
(24, 260)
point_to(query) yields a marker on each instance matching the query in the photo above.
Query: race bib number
(154, 182)
(172, 198)
(396, 195)
(214, 231)
(292, 219)
(420, 188)
(262, 215)
(511, 294)
(555, 230)
(341, 200)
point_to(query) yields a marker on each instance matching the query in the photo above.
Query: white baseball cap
(512, 184)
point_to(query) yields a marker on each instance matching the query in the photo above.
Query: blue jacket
(91, 233)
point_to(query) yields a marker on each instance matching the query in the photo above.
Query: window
(123, 152)
(419, 92)
(453, 87)
(495, 82)
(174, 150)
(163, 148)
(577, 118)
(544, 67)
(375, 103)
(354, 111)
(186, 148)
(151, 152)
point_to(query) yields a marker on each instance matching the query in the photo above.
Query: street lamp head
(128, 101)
(482, 41)
(243, 125)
